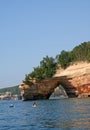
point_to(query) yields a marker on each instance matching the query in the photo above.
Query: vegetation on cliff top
(48, 65)
(46, 69)
(79, 53)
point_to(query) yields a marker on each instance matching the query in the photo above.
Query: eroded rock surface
(75, 80)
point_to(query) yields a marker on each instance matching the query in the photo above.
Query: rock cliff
(75, 80)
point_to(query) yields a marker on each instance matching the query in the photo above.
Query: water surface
(68, 114)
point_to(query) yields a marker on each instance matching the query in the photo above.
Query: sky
(32, 29)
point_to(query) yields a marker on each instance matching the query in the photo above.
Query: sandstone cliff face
(75, 80)
(79, 74)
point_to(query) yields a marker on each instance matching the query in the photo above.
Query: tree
(64, 59)
(46, 69)
(49, 66)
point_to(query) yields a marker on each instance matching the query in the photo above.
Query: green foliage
(46, 69)
(82, 52)
(27, 80)
(47, 66)
(14, 90)
(36, 74)
(64, 59)
(79, 53)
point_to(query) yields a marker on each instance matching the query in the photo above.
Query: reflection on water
(63, 114)
(71, 113)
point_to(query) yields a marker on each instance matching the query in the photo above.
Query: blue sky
(32, 29)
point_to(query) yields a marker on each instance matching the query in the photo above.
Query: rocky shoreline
(75, 80)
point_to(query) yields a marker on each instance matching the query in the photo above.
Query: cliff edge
(75, 80)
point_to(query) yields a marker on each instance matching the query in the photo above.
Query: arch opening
(59, 93)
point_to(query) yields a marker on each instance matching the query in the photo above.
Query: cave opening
(59, 93)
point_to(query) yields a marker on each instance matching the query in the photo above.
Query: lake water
(68, 114)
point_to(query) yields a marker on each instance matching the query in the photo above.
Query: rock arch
(75, 80)
(44, 89)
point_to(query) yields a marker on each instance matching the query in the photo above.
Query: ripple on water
(65, 113)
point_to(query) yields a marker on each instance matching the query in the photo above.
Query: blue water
(68, 114)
